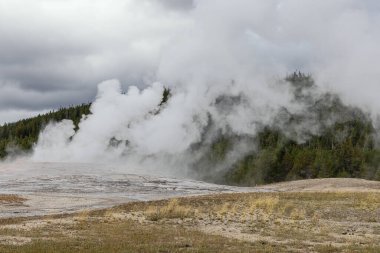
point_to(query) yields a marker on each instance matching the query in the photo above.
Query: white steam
(234, 52)
(133, 130)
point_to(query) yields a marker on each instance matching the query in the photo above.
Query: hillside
(325, 138)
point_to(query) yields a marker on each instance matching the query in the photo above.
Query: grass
(126, 236)
(11, 199)
(246, 222)
(171, 210)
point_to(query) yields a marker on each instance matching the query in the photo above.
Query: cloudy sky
(54, 52)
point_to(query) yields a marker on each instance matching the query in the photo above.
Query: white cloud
(67, 47)
(70, 46)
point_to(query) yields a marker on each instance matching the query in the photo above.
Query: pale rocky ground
(53, 188)
(325, 185)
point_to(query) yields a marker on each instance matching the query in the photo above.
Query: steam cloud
(226, 66)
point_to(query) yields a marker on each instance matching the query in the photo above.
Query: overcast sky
(54, 52)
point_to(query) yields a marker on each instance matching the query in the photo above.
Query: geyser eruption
(137, 130)
(225, 72)
(159, 131)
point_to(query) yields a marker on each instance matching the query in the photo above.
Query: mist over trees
(323, 138)
(20, 136)
(326, 138)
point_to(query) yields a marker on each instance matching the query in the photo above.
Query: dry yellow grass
(343, 221)
(246, 222)
(11, 199)
(171, 210)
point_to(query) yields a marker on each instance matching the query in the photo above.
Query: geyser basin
(67, 187)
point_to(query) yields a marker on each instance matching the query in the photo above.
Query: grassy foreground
(245, 222)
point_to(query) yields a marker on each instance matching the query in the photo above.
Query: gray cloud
(13, 96)
(178, 4)
(53, 53)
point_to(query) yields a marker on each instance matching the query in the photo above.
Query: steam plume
(224, 71)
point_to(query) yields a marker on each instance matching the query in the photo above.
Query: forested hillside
(325, 139)
(21, 135)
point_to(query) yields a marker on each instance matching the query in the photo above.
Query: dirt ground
(323, 215)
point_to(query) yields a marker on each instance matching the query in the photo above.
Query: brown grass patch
(246, 222)
(11, 199)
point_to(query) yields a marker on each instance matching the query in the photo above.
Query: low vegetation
(11, 199)
(170, 211)
(246, 222)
